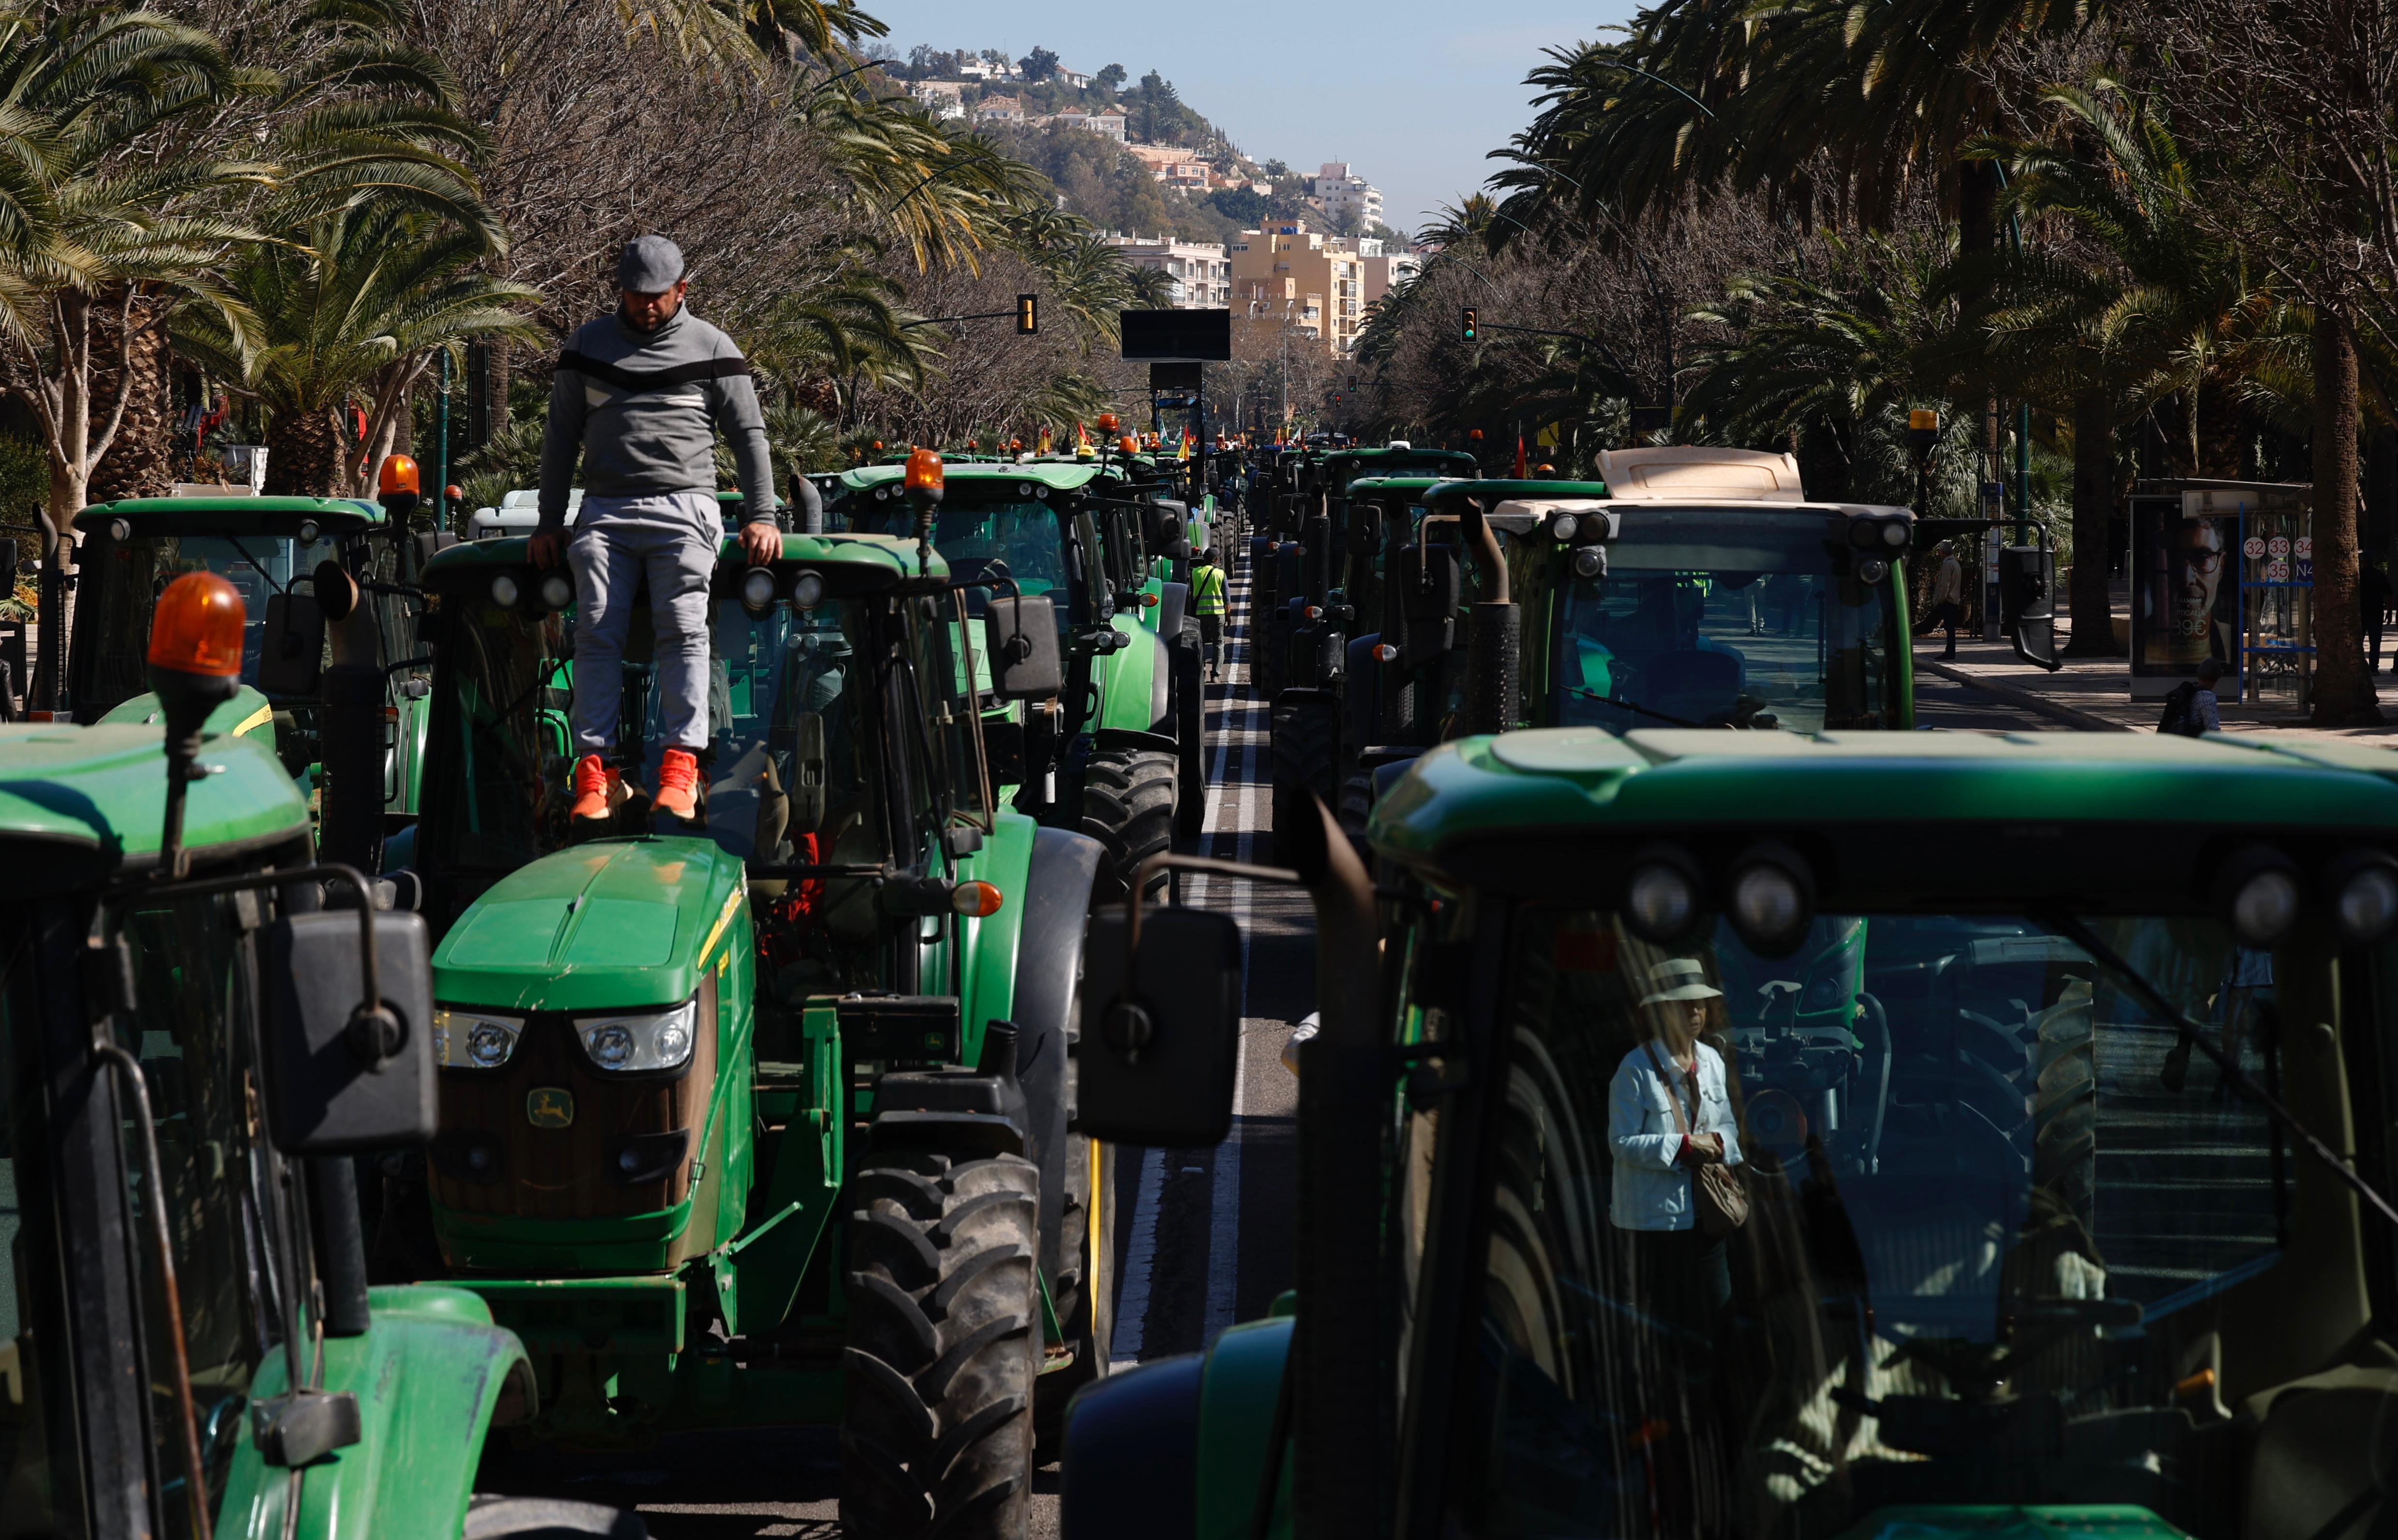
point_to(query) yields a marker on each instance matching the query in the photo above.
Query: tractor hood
(608, 925)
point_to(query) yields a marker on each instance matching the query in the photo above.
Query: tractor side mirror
(1431, 585)
(1169, 531)
(333, 1087)
(807, 791)
(1158, 1069)
(292, 653)
(1365, 529)
(1020, 637)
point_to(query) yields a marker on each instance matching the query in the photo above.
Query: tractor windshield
(789, 707)
(1018, 539)
(2000, 1222)
(123, 579)
(1724, 618)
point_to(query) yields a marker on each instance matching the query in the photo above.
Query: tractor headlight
(1662, 896)
(505, 590)
(2363, 889)
(556, 591)
(1563, 527)
(807, 590)
(470, 1040)
(1590, 561)
(653, 1040)
(758, 590)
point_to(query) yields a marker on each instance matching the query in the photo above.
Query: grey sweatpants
(672, 538)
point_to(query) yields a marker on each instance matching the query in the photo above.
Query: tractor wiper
(2239, 1079)
(1630, 706)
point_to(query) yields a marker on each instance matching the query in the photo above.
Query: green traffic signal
(1469, 322)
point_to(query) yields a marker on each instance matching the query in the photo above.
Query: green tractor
(189, 1057)
(1696, 599)
(1122, 755)
(769, 1123)
(273, 550)
(2052, 1072)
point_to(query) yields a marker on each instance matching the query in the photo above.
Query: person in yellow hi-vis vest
(1208, 600)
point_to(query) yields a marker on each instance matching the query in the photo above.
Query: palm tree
(354, 308)
(2172, 316)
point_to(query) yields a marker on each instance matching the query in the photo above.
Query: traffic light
(1468, 312)
(1028, 315)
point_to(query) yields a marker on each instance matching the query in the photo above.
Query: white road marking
(1132, 1297)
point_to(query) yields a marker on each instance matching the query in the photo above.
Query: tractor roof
(1449, 496)
(1556, 809)
(890, 554)
(1366, 486)
(231, 514)
(79, 804)
(1347, 465)
(981, 476)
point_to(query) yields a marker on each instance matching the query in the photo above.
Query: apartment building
(1384, 273)
(1202, 272)
(1340, 192)
(1316, 282)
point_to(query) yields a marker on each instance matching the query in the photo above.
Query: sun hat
(1679, 979)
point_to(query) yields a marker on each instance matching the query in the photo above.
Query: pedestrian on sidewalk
(1948, 596)
(638, 398)
(2191, 707)
(2373, 598)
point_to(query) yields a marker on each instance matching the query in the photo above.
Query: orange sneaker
(595, 786)
(678, 786)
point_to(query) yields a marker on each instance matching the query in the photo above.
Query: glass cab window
(1724, 618)
(1996, 1214)
(1017, 539)
(122, 580)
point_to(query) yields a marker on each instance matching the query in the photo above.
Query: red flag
(1519, 457)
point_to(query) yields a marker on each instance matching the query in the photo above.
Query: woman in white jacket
(1679, 1269)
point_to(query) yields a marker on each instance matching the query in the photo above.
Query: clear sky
(1413, 93)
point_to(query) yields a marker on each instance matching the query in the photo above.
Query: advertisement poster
(2185, 590)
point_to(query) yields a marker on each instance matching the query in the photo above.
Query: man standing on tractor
(1207, 602)
(638, 398)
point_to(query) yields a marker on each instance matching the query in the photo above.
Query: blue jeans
(672, 540)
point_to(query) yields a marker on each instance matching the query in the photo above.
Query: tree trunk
(2343, 690)
(138, 460)
(304, 454)
(2093, 508)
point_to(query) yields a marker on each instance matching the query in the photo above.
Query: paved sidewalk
(2094, 694)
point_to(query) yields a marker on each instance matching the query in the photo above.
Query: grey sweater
(640, 411)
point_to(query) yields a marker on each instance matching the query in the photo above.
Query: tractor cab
(2060, 1176)
(200, 1026)
(268, 548)
(1123, 752)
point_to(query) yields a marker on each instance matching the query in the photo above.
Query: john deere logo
(549, 1107)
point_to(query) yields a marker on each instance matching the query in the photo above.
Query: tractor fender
(1136, 682)
(1131, 1466)
(431, 1374)
(1048, 975)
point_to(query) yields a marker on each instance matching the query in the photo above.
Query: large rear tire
(1306, 733)
(1357, 806)
(1128, 807)
(495, 1517)
(944, 1347)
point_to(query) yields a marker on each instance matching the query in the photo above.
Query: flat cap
(650, 264)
